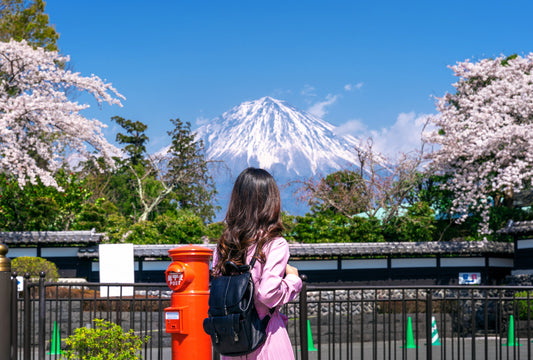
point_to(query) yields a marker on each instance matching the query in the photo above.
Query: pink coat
(272, 289)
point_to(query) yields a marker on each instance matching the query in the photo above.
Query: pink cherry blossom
(484, 133)
(38, 119)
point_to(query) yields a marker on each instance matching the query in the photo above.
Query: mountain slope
(271, 134)
(275, 136)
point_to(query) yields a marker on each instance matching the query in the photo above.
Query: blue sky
(369, 66)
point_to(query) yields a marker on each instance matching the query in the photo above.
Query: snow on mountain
(271, 134)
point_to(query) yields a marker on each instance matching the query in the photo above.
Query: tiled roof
(354, 249)
(517, 228)
(402, 248)
(50, 237)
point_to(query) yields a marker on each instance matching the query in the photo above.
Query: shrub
(33, 266)
(105, 341)
(418, 224)
(215, 230)
(181, 227)
(525, 304)
(184, 227)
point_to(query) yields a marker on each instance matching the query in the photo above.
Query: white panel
(470, 278)
(524, 244)
(501, 262)
(364, 264)
(116, 266)
(18, 252)
(464, 262)
(156, 265)
(413, 263)
(315, 264)
(59, 252)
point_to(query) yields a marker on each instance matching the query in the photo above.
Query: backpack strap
(254, 258)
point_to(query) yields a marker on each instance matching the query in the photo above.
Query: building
(424, 263)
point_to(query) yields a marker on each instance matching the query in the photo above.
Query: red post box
(188, 278)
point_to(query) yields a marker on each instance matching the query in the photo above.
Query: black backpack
(233, 323)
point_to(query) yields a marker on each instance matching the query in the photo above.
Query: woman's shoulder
(277, 243)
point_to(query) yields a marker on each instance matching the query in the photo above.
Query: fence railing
(325, 322)
(431, 322)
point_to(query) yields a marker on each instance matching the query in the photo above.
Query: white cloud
(353, 127)
(200, 120)
(308, 90)
(319, 109)
(402, 137)
(350, 87)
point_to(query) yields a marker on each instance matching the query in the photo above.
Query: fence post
(303, 319)
(429, 315)
(42, 316)
(5, 303)
(14, 317)
(27, 317)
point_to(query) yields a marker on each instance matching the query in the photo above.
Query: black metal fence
(430, 322)
(326, 322)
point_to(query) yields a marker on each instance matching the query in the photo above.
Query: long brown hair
(253, 217)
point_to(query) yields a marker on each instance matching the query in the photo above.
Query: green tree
(177, 179)
(188, 172)
(26, 20)
(134, 140)
(417, 224)
(173, 228)
(342, 192)
(155, 196)
(328, 226)
(38, 207)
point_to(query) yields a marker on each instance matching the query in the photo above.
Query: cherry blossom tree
(484, 134)
(377, 184)
(39, 124)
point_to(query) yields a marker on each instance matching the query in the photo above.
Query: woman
(254, 224)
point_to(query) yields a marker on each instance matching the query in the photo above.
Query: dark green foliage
(417, 224)
(38, 207)
(214, 230)
(33, 266)
(525, 305)
(505, 62)
(330, 227)
(98, 216)
(188, 172)
(26, 20)
(184, 227)
(134, 140)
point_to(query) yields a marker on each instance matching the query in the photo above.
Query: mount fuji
(271, 134)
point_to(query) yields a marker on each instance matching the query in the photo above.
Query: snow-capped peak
(273, 135)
